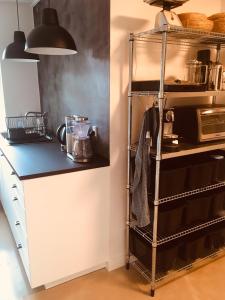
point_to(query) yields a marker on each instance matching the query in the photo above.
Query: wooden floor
(207, 283)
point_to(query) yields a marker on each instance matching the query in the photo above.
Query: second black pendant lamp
(15, 51)
(50, 38)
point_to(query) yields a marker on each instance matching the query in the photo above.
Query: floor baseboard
(73, 276)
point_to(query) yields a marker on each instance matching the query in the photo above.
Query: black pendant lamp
(15, 51)
(49, 38)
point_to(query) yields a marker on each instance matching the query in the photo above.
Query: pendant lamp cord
(49, 3)
(17, 10)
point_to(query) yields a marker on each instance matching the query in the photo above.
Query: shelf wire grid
(179, 94)
(144, 93)
(173, 274)
(187, 194)
(182, 35)
(147, 233)
(190, 193)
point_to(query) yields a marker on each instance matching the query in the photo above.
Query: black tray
(28, 139)
(166, 3)
(153, 85)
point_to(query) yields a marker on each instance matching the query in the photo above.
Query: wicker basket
(196, 21)
(217, 16)
(192, 16)
(219, 26)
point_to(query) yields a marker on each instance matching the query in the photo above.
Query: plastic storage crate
(167, 254)
(218, 204)
(197, 210)
(170, 217)
(200, 172)
(216, 237)
(219, 172)
(194, 247)
(172, 180)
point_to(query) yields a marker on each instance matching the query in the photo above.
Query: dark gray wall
(79, 84)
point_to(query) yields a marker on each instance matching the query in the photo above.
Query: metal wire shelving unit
(165, 36)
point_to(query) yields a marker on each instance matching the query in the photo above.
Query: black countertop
(33, 160)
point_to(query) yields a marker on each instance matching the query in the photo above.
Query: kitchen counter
(59, 223)
(33, 160)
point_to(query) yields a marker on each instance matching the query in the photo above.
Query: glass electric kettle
(64, 133)
(75, 136)
(82, 150)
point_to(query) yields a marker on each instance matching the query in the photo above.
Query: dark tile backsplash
(79, 84)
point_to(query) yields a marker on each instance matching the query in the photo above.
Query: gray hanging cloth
(140, 205)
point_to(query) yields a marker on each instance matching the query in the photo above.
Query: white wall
(132, 16)
(223, 6)
(20, 80)
(2, 106)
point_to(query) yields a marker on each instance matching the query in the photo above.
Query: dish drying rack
(32, 125)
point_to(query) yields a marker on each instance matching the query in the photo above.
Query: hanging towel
(140, 206)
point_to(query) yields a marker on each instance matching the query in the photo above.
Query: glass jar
(196, 72)
(216, 77)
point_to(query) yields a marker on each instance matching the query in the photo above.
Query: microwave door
(211, 125)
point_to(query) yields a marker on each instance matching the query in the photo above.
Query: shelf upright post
(161, 99)
(218, 52)
(131, 54)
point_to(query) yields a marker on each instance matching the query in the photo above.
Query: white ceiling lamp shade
(15, 51)
(50, 38)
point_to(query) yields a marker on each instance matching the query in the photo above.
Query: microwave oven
(198, 124)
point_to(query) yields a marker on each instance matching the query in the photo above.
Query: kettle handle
(58, 133)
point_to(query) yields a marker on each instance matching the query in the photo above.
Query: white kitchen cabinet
(12, 202)
(62, 230)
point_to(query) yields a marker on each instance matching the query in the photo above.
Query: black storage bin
(197, 210)
(216, 237)
(172, 177)
(219, 238)
(194, 247)
(167, 254)
(218, 205)
(200, 172)
(219, 172)
(170, 217)
(172, 182)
